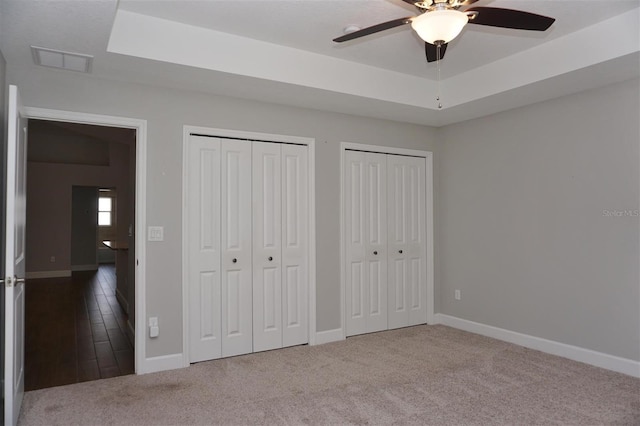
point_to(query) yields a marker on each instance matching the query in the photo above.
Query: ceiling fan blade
(509, 18)
(374, 29)
(432, 51)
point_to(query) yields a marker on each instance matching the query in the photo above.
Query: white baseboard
(161, 363)
(576, 353)
(47, 274)
(328, 336)
(92, 267)
(122, 301)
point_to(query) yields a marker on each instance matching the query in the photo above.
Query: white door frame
(251, 136)
(140, 217)
(428, 156)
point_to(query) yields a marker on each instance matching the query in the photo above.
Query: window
(105, 211)
(107, 215)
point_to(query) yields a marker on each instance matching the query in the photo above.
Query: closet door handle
(400, 251)
(234, 260)
(270, 258)
(375, 253)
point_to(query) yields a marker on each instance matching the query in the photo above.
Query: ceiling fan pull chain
(438, 66)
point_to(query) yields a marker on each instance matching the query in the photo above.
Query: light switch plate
(156, 233)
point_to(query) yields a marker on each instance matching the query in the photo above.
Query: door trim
(428, 173)
(141, 362)
(251, 136)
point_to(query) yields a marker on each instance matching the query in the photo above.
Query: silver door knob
(11, 282)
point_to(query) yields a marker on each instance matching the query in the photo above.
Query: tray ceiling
(281, 51)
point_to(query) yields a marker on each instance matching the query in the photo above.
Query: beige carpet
(420, 375)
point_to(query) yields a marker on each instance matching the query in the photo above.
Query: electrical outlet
(156, 233)
(457, 295)
(52, 259)
(154, 330)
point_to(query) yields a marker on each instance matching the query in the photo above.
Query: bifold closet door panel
(355, 229)
(376, 241)
(267, 246)
(236, 243)
(295, 244)
(407, 258)
(416, 242)
(203, 198)
(366, 246)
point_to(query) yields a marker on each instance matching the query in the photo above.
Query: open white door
(14, 259)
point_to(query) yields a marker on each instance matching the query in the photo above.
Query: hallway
(75, 330)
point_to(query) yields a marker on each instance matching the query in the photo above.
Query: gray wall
(130, 233)
(3, 153)
(519, 202)
(3, 136)
(167, 111)
(529, 230)
(84, 226)
(49, 204)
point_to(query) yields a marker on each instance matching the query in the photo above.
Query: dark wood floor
(75, 330)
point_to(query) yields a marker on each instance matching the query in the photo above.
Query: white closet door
(366, 199)
(407, 254)
(203, 199)
(416, 242)
(235, 217)
(355, 228)
(267, 246)
(376, 242)
(295, 245)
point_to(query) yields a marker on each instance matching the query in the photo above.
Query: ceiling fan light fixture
(439, 25)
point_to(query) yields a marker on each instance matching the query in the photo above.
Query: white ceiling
(312, 25)
(281, 51)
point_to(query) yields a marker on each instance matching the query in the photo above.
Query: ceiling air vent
(63, 60)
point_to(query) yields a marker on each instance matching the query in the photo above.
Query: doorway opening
(81, 281)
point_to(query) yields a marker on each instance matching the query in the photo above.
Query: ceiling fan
(440, 21)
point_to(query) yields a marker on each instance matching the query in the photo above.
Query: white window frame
(112, 211)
